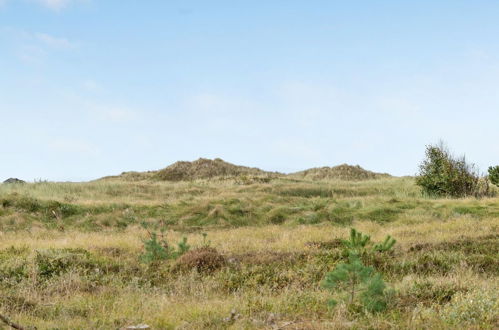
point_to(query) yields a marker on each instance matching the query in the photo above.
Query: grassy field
(69, 254)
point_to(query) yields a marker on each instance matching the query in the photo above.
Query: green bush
(494, 175)
(442, 174)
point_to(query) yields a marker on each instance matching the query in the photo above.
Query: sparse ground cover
(69, 254)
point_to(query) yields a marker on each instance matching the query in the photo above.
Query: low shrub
(53, 262)
(494, 175)
(204, 259)
(429, 293)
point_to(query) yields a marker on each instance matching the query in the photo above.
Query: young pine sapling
(156, 248)
(361, 285)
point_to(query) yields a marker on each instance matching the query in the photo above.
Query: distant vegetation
(208, 169)
(201, 169)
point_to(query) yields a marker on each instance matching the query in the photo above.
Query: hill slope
(206, 169)
(340, 172)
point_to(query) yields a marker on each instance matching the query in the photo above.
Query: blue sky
(90, 88)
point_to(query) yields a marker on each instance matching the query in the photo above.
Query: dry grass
(258, 239)
(77, 267)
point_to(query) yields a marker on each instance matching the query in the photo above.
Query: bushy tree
(494, 175)
(442, 174)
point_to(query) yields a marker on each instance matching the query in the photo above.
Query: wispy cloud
(34, 47)
(213, 104)
(114, 114)
(70, 145)
(56, 5)
(92, 86)
(31, 54)
(54, 42)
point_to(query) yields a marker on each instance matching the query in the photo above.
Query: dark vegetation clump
(443, 175)
(427, 293)
(203, 259)
(14, 181)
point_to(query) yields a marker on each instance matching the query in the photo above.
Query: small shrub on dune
(494, 175)
(442, 174)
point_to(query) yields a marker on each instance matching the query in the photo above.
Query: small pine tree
(357, 242)
(386, 245)
(362, 285)
(374, 298)
(494, 175)
(155, 250)
(182, 247)
(360, 244)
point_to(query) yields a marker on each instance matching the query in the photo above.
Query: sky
(90, 88)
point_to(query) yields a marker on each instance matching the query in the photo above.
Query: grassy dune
(69, 254)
